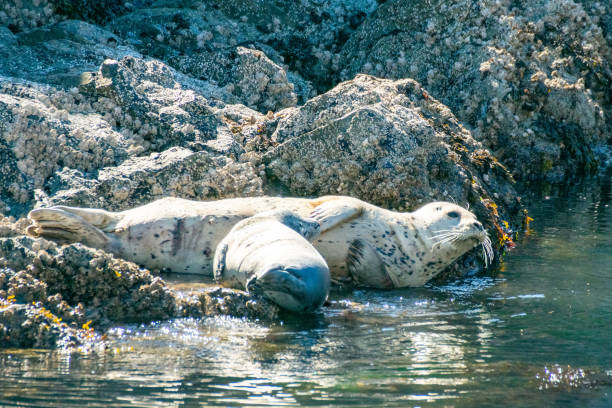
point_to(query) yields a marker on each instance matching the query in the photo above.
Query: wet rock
(230, 302)
(67, 296)
(33, 325)
(530, 79)
(109, 289)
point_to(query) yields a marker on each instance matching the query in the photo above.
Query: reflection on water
(538, 333)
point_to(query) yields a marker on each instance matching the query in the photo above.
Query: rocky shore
(114, 104)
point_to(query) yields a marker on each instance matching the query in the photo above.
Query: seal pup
(269, 254)
(359, 241)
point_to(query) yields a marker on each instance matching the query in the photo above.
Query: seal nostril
(478, 225)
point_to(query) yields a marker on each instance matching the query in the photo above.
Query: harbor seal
(359, 241)
(269, 254)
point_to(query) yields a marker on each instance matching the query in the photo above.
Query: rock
(176, 172)
(306, 36)
(127, 109)
(203, 44)
(19, 15)
(40, 133)
(230, 302)
(7, 38)
(109, 289)
(387, 142)
(53, 296)
(97, 11)
(33, 325)
(263, 81)
(58, 54)
(158, 107)
(531, 82)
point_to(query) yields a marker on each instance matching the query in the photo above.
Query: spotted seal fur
(359, 241)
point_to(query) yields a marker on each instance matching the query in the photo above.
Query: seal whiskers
(487, 250)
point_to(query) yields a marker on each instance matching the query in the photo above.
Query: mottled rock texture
(63, 296)
(531, 79)
(115, 103)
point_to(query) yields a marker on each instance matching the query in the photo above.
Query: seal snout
(478, 226)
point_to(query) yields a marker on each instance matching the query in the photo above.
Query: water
(537, 333)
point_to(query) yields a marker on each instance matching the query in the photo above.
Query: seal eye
(453, 214)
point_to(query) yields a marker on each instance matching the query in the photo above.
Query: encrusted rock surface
(115, 103)
(389, 141)
(66, 296)
(530, 78)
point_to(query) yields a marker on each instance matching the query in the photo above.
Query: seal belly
(180, 244)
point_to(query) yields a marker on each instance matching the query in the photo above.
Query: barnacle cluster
(528, 79)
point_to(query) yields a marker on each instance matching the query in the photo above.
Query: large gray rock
(388, 142)
(531, 79)
(127, 108)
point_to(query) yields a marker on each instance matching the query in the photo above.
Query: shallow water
(537, 333)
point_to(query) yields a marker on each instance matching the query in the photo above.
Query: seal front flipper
(219, 264)
(58, 224)
(335, 212)
(365, 266)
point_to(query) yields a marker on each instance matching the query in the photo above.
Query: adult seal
(370, 245)
(269, 254)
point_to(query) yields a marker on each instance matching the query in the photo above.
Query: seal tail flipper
(58, 224)
(335, 212)
(102, 219)
(283, 288)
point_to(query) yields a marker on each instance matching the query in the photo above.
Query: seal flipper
(219, 261)
(283, 288)
(335, 212)
(56, 223)
(365, 266)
